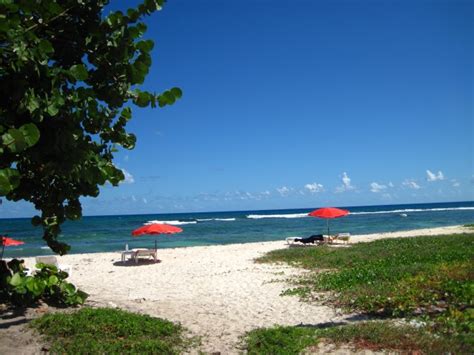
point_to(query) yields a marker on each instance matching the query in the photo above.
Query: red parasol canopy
(8, 242)
(156, 228)
(328, 212)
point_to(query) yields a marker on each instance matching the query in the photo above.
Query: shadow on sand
(141, 262)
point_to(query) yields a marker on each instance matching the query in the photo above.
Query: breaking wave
(410, 210)
(289, 215)
(175, 223)
(216, 219)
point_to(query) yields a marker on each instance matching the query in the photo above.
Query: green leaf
(177, 93)
(145, 46)
(35, 286)
(68, 288)
(46, 47)
(31, 134)
(9, 180)
(33, 103)
(127, 113)
(53, 280)
(143, 99)
(79, 72)
(14, 140)
(52, 109)
(16, 280)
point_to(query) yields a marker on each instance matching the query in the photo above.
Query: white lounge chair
(144, 252)
(344, 237)
(51, 260)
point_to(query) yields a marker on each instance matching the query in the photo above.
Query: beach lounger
(317, 238)
(51, 260)
(344, 237)
(144, 252)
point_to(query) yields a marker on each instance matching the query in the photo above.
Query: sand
(217, 292)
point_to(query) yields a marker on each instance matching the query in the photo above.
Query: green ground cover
(374, 336)
(430, 278)
(110, 331)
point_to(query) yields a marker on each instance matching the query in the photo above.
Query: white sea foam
(410, 210)
(45, 248)
(289, 215)
(216, 219)
(175, 223)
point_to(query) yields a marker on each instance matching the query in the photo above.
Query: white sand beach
(217, 292)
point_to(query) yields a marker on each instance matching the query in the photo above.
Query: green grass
(471, 225)
(110, 331)
(368, 335)
(427, 277)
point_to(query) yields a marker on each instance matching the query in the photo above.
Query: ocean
(111, 233)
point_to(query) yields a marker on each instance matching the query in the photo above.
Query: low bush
(47, 284)
(110, 331)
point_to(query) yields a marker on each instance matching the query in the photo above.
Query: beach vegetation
(48, 284)
(428, 278)
(374, 336)
(70, 75)
(110, 331)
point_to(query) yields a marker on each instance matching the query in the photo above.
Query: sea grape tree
(69, 75)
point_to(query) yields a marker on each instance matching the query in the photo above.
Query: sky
(300, 104)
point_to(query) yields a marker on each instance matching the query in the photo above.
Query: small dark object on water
(312, 239)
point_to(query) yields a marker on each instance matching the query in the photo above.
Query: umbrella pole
(327, 222)
(3, 249)
(155, 244)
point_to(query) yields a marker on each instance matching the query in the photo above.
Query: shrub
(47, 284)
(110, 331)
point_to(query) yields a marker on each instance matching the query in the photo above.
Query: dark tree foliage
(66, 75)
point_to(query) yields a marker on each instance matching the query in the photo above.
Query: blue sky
(301, 104)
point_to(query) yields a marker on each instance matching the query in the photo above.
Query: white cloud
(433, 176)
(455, 183)
(314, 187)
(346, 180)
(145, 201)
(283, 191)
(346, 183)
(128, 177)
(390, 184)
(134, 199)
(125, 158)
(411, 184)
(376, 187)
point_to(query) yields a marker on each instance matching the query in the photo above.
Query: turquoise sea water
(111, 233)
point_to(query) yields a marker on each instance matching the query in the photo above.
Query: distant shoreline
(104, 234)
(251, 210)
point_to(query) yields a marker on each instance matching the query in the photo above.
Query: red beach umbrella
(7, 242)
(328, 212)
(156, 228)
